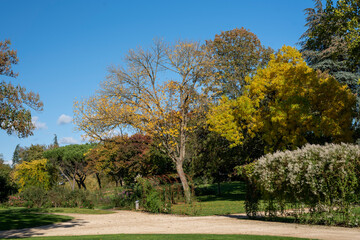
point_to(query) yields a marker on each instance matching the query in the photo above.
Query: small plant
(15, 201)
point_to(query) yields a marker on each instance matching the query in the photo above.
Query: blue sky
(65, 46)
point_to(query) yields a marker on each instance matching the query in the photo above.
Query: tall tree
(288, 104)
(236, 54)
(331, 42)
(16, 155)
(15, 102)
(156, 94)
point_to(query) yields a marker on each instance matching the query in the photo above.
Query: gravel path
(140, 222)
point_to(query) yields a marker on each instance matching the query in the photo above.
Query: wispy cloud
(37, 123)
(64, 119)
(68, 140)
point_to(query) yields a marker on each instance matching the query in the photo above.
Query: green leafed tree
(16, 155)
(7, 186)
(70, 161)
(236, 54)
(15, 102)
(331, 42)
(34, 152)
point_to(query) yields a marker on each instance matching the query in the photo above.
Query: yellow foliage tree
(156, 94)
(287, 103)
(34, 173)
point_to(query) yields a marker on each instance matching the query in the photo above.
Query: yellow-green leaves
(34, 173)
(288, 104)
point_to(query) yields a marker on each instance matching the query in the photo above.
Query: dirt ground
(140, 222)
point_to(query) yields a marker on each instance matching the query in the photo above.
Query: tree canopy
(157, 93)
(289, 104)
(15, 102)
(236, 54)
(70, 161)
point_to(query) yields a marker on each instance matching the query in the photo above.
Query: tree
(156, 94)
(34, 152)
(236, 54)
(16, 155)
(7, 186)
(15, 101)
(55, 144)
(35, 173)
(288, 104)
(123, 158)
(70, 161)
(331, 42)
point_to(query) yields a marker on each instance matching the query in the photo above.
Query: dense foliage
(7, 186)
(125, 157)
(35, 173)
(70, 161)
(288, 104)
(319, 183)
(331, 42)
(236, 54)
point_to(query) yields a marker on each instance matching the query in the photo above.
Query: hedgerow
(320, 184)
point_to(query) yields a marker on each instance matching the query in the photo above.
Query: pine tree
(16, 156)
(55, 144)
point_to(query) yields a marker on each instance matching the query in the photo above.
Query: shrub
(320, 180)
(153, 199)
(123, 198)
(34, 197)
(15, 201)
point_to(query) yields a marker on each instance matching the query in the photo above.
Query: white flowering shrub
(319, 183)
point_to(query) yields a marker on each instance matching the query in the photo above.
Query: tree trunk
(98, 179)
(78, 183)
(184, 182)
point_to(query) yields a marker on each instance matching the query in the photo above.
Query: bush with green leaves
(59, 196)
(321, 184)
(153, 198)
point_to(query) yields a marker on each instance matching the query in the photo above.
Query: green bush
(153, 199)
(59, 196)
(123, 198)
(320, 182)
(34, 197)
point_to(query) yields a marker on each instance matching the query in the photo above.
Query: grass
(76, 210)
(25, 218)
(169, 237)
(210, 202)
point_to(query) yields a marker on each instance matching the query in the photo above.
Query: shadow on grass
(232, 191)
(19, 223)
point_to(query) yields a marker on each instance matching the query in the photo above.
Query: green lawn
(169, 237)
(76, 210)
(210, 202)
(25, 218)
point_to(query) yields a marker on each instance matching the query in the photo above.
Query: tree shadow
(37, 231)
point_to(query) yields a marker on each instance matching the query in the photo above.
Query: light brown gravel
(140, 222)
